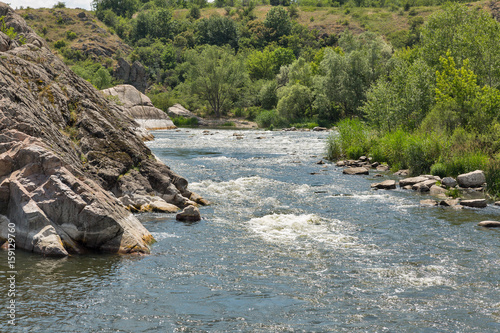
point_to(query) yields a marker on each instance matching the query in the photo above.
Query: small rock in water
(189, 214)
(449, 202)
(428, 202)
(356, 171)
(489, 224)
(475, 203)
(386, 185)
(320, 162)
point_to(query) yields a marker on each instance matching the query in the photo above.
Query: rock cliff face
(68, 155)
(140, 108)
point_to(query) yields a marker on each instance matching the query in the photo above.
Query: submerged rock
(356, 171)
(66, 155)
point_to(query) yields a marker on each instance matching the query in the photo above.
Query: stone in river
(356, 171)
(489, 224)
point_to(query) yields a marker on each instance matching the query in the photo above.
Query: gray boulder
(412, 181)
(471, 179)
(449, 182)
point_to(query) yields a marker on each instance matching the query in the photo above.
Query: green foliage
(267, 95)
(194, 12)
(59, 44)
(351, 141)
(217, 30)
(124, 8)
(217, 76)
(94, 73)
(439, 169)
(492, 174)
(70, 35)
(268, 119)
(59, 5)
(333, 147)
(185, 122)
(278, 22)
(8, 31)
(295, 102)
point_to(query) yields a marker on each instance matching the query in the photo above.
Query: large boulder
(471, 179)
(140, 108)
(414, 180)
(66, 154)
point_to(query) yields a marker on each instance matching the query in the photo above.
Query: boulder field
(70, 159)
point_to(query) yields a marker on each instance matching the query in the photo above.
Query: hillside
(76, 30)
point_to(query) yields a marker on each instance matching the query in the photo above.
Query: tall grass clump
(492, 174)
(333, 147)
(423, 150)
(391, 148)
(353, 138)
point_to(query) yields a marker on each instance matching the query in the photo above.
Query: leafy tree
(194, 12)
(460, 101)
(278, 22)
(403, 99)
(266, 64)
(468, 33)
(295, 102)
(217, 30)
(125, 8)
(216, 75)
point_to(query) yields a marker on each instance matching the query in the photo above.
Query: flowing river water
(288, 245)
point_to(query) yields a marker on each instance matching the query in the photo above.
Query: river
(288, 245)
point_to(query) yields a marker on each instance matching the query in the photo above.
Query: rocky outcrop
(67, 155)
(140, 108)
(134, 74)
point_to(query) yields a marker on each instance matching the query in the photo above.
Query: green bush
(466, 162)
(439, 169)
(59, 44)
(268, 118)
(70, 35)
(353, 138)
(182, 122)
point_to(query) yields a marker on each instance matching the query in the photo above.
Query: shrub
(268, 118)
(353, 138)
(439, 169)
(181, 121)
(466, 162)
(70, 35)
(59, 44)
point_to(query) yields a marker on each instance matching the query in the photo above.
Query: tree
(125, 8)
(278, 22)
(468, 33)
(217, 30)
(295, 102)
(216, 75)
